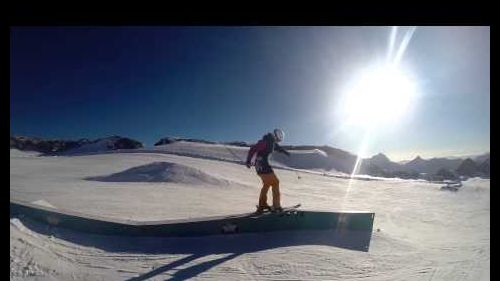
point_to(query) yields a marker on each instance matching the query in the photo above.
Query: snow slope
(424, 233)
(299, 159)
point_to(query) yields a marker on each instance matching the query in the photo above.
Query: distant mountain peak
(417, 160)
(469, 161)
(51, 146)
(468, 168)
(380, 157)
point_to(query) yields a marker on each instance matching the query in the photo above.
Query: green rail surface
(240, 223)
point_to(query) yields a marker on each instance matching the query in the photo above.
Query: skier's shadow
(187, 273)
(231, 245)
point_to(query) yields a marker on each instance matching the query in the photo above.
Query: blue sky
(236, 83)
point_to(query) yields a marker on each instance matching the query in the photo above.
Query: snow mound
(43, 203)
(163, 172)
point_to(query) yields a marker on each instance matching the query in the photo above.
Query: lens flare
(381, 95)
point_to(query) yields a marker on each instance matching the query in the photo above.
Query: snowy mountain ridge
(311, 157)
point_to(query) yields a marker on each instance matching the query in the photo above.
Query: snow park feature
(241, 223)
(250, 153)
(163, 172)
(74, 210)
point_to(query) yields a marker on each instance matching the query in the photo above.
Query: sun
(378, 96)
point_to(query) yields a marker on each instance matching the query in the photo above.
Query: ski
(272, 210)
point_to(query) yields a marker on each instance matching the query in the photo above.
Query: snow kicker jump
(292, 219)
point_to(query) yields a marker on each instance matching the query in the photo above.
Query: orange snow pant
(269, 180)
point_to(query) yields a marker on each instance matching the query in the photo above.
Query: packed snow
(420, 231)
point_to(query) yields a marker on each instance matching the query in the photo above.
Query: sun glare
(379, 96)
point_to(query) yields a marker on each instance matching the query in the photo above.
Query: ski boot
(262, 209)
(278, 209)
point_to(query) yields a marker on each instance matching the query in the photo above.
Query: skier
(263, 148)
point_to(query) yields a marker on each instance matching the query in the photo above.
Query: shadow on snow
(232, 245)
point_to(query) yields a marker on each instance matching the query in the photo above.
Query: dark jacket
(263, 148)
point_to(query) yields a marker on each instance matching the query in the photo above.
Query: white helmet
(278, 135)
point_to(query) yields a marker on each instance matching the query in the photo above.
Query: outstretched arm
(281, 149)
